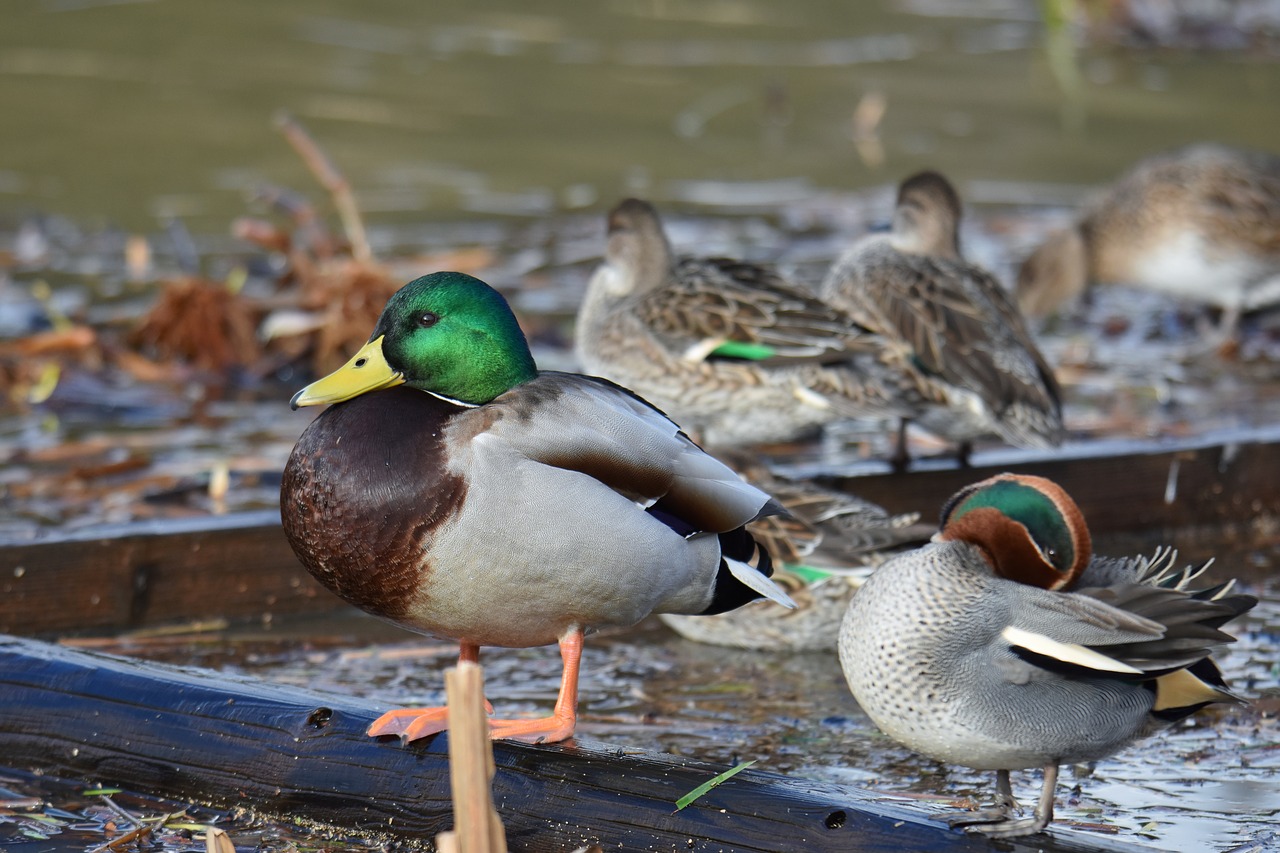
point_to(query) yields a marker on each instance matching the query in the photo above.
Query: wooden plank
(129, 575)
(225, 741)
(1165, 489)
(477, 826)
(240, 566)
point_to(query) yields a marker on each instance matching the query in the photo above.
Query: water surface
(129, 112)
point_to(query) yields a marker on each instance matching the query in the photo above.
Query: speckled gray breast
(922, 652)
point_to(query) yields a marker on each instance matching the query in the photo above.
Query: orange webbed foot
(560, 725)
(410, 723)
(551, 729)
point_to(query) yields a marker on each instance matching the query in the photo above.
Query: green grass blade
(711, 783)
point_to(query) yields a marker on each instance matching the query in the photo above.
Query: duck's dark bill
(366, 371)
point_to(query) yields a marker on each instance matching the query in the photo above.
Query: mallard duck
(974, 365)
(734, 352)
(457, 491)
(1005, 644)
(1201, 223)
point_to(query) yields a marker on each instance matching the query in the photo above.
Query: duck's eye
(428, 319)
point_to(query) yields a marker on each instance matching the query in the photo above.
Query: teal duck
(1201, 223)
(1006, 644)
(734, 352)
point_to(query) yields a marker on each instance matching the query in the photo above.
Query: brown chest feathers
(364, 492)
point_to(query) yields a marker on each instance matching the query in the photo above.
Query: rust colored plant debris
(203, 323)
(339, 287)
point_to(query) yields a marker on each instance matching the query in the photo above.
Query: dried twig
(142, 830)
(332, 180)
(121, 811)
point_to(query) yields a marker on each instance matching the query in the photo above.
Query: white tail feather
(758, 582)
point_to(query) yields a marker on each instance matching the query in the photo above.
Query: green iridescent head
(1028, 528)
(446, 333)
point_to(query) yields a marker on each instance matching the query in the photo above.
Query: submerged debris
(30, 366)
(66, 817)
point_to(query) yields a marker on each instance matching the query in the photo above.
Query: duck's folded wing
(727, 309)
(960, 327)
(609, 434)
(1125, 631)
(826, 527)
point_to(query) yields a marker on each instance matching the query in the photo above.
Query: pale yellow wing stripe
(1182, 689)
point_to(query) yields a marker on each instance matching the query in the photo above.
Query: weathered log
(197, 735)
(130, 575)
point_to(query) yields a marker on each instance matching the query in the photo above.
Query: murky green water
(125, 112)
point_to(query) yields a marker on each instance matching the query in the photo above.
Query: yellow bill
(366, 371)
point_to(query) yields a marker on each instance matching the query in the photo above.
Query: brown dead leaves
(201, 322)
(328, 297)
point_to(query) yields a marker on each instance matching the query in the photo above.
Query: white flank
(1065, 652)
(1188, 267)
(1263, 293)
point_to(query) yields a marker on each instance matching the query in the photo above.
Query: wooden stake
(476, 825)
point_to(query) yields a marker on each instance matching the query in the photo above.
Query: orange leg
(413, 723)
(559, 726)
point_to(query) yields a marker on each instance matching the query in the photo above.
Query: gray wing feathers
(615, 438)
(1152, 628)
(1080, 619)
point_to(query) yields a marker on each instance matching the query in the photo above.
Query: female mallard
(459, 492)
(822, 551)
(973, 363)
(1200, 223)
(1004, 644)
(731, 350)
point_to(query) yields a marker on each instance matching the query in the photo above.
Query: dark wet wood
(197, 735)
(130, 575)
(1166, 489)
(240, 566)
